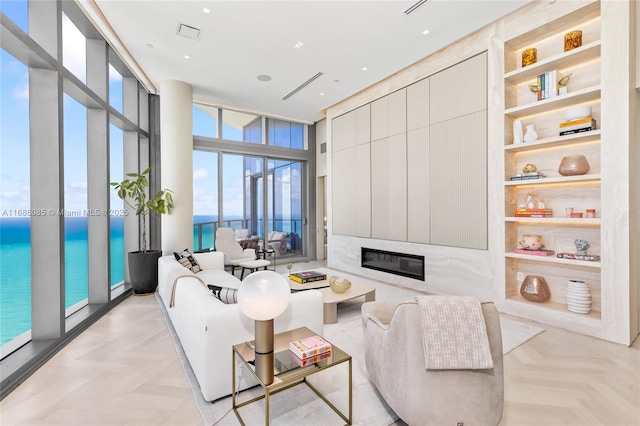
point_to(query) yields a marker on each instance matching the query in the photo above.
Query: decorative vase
(531, 134)
(573, 165)
(535, 288)
(517, 132)
(339, 285)
(531, 242)
(578, 297)
(529, 56)
(572, 40)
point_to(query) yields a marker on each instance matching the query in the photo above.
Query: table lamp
(262, 296)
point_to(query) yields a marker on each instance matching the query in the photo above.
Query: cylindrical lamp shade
(263, 295)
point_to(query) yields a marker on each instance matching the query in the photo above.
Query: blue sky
(14, 144)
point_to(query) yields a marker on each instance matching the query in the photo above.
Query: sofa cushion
(186, 259)
(224, 294)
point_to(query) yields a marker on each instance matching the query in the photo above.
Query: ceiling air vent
(415, 6)
(188, 31)
(302, 86)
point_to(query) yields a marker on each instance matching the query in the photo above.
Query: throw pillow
(225, 294)
(186, 259)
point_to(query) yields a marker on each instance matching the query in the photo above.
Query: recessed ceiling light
(425, 32)
(187, 57)
(264, 77)
(205, 10)
(298, 45)
(321, 94)
(364, 68)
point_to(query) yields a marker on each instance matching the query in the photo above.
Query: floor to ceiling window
(116, 218)
(76, 232)
(61, 128)
(261, 193)
(285, 206)
(15, 239)
(205, 199)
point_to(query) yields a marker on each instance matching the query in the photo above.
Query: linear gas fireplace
(406, 265)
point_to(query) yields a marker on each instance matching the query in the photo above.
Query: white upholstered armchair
(234, 254)
(395, 361)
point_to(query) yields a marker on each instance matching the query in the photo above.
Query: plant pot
(143, 270)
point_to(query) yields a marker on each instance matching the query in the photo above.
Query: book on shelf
(309, 347)
(522, 176)
(547, 85)
(575, 256)
(307, 276)
(590, 123)
(581, 130)
(535, 252)
(577, 122)
(302, 362)
(533, 213)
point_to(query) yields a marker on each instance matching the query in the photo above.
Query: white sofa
(208, 328)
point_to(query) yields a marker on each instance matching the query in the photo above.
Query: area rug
(300, 405)
(515, 333)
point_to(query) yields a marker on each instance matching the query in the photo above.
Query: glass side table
(287, 372)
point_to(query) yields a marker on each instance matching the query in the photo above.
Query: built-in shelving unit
(557, 192)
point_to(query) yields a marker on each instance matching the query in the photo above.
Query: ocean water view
(15, 262)
(15, 268)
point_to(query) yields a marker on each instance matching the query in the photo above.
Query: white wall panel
(459, 90)
(380, 118)
(343, 131)
(458, 181)
(418, 104)
(362, 206)
(343, 189)
(418, 185)
(397, 112)
(389, 188)
(363, 124)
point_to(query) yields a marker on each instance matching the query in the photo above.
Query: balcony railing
(204, 233)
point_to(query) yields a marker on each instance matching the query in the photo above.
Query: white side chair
(233, 252)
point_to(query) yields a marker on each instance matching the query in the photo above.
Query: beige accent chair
(395, 361)
(234, 254)
(241, 234)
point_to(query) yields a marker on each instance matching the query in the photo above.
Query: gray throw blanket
(454, 334)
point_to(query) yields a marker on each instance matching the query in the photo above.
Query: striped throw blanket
(454, 334)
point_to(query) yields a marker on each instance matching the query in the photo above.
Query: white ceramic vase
(531, 134)
(578, 297)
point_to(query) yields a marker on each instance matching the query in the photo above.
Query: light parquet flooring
(124, 371)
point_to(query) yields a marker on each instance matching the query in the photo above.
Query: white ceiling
(240, 40)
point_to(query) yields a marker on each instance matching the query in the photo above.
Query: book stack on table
(534, 213)
(526, 176)
(307, 276)
(577, 126)
(310, 350)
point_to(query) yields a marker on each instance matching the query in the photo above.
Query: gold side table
(287, 373)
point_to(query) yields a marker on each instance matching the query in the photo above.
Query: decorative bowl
(573, 165)
(578, 112)
(339, 285)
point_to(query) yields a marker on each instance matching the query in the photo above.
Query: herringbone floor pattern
(124, 371)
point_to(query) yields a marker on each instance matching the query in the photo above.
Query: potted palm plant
(143, 264)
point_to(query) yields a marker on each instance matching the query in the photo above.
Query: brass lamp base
(264, 351)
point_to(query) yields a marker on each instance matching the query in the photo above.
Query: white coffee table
(330, 299)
